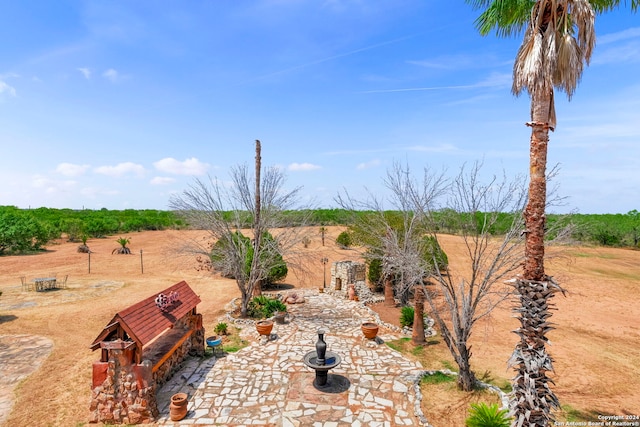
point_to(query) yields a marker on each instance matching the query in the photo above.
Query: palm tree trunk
(388, 292)
(417, 336)
(534, 215)
(533, 400)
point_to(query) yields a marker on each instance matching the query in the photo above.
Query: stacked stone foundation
(123, 391)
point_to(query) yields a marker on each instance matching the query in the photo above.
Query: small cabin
(140, 348)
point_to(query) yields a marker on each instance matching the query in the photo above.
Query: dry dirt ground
(596, 345)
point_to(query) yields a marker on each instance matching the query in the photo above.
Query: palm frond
(600, 6)
(506, 17)
(569, 65)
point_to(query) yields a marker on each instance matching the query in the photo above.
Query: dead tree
(457, 299)
(223, 211)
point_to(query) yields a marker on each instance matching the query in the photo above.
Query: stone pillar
(122, 392)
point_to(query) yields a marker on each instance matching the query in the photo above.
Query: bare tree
(457, 298)
(394, 232)
(258, 202)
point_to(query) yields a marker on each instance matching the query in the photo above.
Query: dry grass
(596, 345)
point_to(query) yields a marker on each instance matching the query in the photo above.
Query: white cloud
(161, 180)
(457, 62)
(5, 88)
(447, 62)
(121, 169)
(191, 166)
(629, 53)
(111, 75)
(298, 167)
(86, 72)
(50, 186)
(442, 148)
(69, 169)
(496, 80)
(629, 33)
(368, 165)
(93, 192)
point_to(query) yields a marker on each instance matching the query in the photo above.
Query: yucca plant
(221, 329)
(123, 249)
(406, 316)
(483, 415)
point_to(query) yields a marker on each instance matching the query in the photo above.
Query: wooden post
(417, 337)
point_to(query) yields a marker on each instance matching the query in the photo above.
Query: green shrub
(221, 329)
(483, 415)
(221, 253)
(406, 316)
(433, 250)
(375, 273)
(344, 240)
(21, 231)
(263, 306)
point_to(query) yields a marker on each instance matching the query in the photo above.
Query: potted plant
(264, 327)
(369, 329)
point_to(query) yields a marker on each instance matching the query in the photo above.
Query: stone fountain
(321, 360)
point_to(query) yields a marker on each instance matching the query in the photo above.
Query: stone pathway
(267, 383)
(20, 355)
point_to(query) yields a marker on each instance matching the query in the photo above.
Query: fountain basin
(331, 361)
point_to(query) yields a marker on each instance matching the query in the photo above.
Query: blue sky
(119, 104)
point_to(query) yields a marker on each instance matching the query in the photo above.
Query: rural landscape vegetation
(466, 252)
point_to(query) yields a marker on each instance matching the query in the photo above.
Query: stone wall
(345, 272)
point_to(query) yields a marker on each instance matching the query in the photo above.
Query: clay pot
(264, 327)
(280, 317)
(352, 292)
(179, 399)
(178, 406)
(370, 330)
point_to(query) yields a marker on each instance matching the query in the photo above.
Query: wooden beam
(168, 354)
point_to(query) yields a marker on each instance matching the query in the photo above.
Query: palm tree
(558, 41)
(123, 249)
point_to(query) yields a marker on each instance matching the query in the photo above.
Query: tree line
(24, 230)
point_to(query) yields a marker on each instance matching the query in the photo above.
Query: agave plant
(483, 415)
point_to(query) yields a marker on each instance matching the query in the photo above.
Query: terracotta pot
(370, 330)
(176, 413)
(179, 399)
(352, 292)
(178, 406)
(264, 327)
